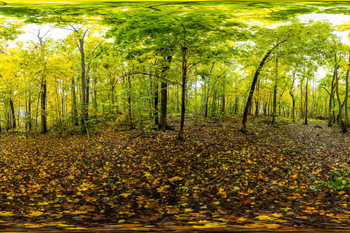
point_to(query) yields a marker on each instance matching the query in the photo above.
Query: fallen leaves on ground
(287, 176)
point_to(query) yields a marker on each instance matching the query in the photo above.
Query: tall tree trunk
(95, 95)
(339, 100)
(257, 99)
(293, 99)
(111, 96)
(29, 114)
(13, 116)
(164, 94)
(207, 83)
(155, 101)
(74, 103)
(129, 102)
(274, 113)
(84, 97)
(195, 97)
(330, 109)
(306, 101)
(301, 99)
(345, 125)
(313, 101)
(223, 102)
(43, 123)
(236, 105)
(183, 92)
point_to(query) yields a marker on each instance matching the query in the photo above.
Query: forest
(174, 115)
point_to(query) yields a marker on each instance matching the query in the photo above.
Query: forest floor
(287, 176)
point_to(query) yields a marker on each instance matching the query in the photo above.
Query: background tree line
(141, 65)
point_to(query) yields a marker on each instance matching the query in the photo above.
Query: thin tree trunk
(84, 105)
(339, 100)
(195, 97)
(306, 101)
(74, 103)
(301, 99)
(236, 105)
(223, 102)
(156, 98)
(345, 125)
(95, 95)
(274, 113)
(330, 117)
(164, 95)
(29, 115)
(129, 102)
(183, 88)
(207, 97)
(293, 100)
(43, 123)
(13, 116)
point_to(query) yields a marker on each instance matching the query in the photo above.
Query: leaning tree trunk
(339, 100)
(274, 113)
(252, 88)
(330, 117)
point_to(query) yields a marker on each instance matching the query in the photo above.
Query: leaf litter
(287, 177)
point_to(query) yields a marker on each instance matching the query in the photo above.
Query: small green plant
(291, 151)
(264, 170)
(338, 180)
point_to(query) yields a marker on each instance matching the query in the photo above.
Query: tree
(287, 40)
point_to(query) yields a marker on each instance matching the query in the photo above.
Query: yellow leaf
(125, 194)
(175, 178)
(264, 218)
(6, 214)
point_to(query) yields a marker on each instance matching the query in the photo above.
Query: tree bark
(345, 125)
(293, 100)
(195, 97)
(13, 116)
(252, 88)
(183, 92)
(330, 117)
(29, 114)
(131, 125)
(223, 101)
(274, 112)
(306, 101)
(43, 122)
(164, 95)
(95, 95)
(84, 105)
(155, 101)
(339, 100)
(74, 103)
